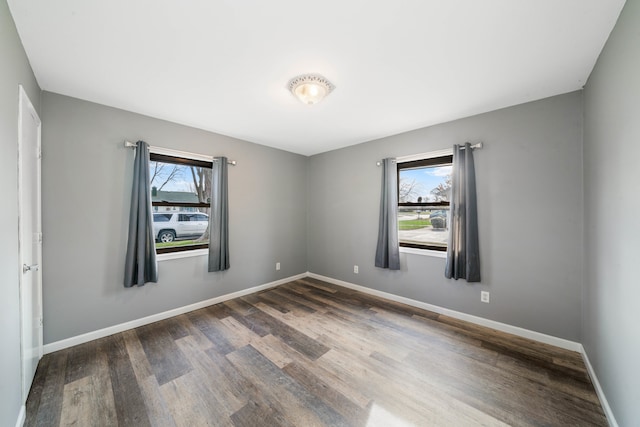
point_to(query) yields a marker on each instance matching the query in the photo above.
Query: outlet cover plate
(484, 296)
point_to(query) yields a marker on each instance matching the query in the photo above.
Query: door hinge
(39, 237)
(40, 322)
(39, 152)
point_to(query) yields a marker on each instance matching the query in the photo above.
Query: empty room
(244, 213)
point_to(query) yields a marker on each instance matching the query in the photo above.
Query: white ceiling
(222, 65)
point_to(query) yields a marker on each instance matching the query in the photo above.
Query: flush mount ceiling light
(310, 88)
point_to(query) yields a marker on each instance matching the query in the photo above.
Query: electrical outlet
(484, 296)
(277, 266)
(355, 269)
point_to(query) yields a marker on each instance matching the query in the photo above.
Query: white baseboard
(21, 416)
(596, 384)
(90, 336)
(515, 330)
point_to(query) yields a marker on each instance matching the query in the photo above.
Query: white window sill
(182, 254)
(423, 252)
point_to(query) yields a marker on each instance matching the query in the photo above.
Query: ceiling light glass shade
(310, 88)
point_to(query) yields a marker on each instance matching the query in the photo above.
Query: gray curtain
(388, 250)
(219, 218)
(463, 252)
(140, 263)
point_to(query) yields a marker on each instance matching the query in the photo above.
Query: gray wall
(86, 196)
(530, 216)
(611, 334)
(15, 70)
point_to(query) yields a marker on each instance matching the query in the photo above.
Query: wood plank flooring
(309, 353)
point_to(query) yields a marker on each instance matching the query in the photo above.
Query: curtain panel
(463, 251)
(141, 265)
(219, 218)
(388, 248)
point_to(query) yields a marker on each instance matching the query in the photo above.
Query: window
(181, 199)
(424, 190)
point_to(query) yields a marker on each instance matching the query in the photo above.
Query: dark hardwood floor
(309, 353)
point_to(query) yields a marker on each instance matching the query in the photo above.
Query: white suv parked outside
(169, 226)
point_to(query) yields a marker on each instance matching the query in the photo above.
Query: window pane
(175, 226)
(176, 183)
(424, 184)
(422, 226)
(179, 226)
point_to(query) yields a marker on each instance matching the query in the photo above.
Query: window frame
(437, 160)
(186, 161)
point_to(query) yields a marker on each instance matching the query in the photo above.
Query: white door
(30, 245)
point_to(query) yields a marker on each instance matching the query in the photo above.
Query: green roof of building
(174, 196)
